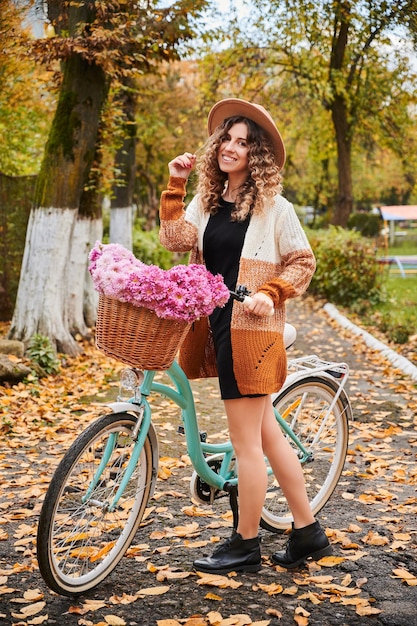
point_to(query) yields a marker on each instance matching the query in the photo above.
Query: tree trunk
(82, 299)
(121, 213)
(339, 109)
(121, 226)
(90, 299)
(42, 287)
(344, 204)
(43, 302)
(79, 282)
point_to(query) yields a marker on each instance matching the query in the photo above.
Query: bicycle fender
(123, 407)
(292, 378)
(128, 407)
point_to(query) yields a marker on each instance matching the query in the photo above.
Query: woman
(240, 226)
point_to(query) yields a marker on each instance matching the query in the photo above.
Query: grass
(396, 314)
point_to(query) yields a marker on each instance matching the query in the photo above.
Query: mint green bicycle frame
(181, 393)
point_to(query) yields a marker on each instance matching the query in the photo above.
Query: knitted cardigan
(276, 259)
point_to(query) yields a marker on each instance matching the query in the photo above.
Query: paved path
(371, 520)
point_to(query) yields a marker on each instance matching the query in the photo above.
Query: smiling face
(232, 154)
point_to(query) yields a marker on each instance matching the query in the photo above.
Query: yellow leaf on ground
(195, 621)
(215, 580)
(310, 596)
(375, 539)
(300, 611)
(354, 528)
(168, 574)
(32, 595)
(31, 609)
(89, 605)
(214, 617)
(271, 589)
(167, 622)
(366, 609)
(355, 556)
(331, 561)
(320, 579)
(114, 620)
(153, 591)
(158, 534)
(123, 599)
(406, 576)
(238, 619)
(189, 530)
(402, 536)
(197, 511)
(213, 596)
(36, 621)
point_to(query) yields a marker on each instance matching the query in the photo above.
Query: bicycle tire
(79, 543)
(303, 405)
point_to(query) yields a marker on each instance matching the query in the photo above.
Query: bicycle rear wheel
(81, 538)
(305, 407)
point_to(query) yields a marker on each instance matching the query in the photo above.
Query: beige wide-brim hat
(232, 107)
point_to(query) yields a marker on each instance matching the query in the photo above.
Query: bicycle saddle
(290, 335)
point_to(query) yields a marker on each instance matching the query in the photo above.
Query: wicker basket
(136, 336)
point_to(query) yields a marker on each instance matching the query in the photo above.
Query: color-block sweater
(276, 259)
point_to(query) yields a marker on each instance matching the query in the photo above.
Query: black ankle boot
(234, 555)
(303, 543)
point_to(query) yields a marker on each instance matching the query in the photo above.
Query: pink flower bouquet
(184, 292)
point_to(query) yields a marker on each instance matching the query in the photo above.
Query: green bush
(347, 269)
(367, 224)
(41, 352)
(395, 327)
(147, 248)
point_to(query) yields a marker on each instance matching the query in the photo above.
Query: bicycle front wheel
(82, 532)
(323, 430)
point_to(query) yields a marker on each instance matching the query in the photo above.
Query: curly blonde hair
(263, 183)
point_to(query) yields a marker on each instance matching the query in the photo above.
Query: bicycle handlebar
(242, 294)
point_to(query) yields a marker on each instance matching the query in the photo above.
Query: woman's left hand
(260, 304)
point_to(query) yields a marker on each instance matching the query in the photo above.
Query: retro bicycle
(99, 492)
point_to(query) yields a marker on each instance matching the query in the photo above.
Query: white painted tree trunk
(121, 226)
(90, 294)
(42, 295)
(78, 279)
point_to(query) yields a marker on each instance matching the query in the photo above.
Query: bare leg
(244, 416)
(254, 432)
(286, 467)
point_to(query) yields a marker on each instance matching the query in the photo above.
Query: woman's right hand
(182, 165)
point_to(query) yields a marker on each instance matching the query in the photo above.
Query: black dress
(222, 248)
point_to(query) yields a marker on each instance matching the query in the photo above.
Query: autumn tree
(170, 120)
(96, 44)
(346, 57)
(23, 129)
